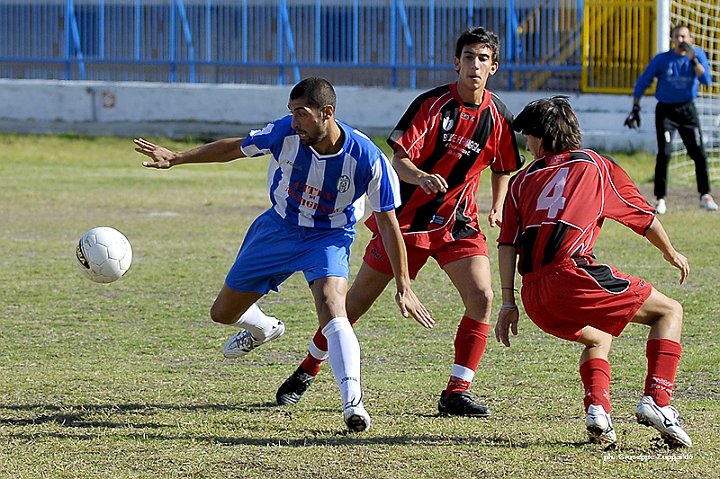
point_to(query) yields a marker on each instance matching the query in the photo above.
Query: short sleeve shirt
(323, 191)
(556, 206)
(443, 135)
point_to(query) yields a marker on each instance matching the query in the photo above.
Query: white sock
(258, 323)
(344, 354)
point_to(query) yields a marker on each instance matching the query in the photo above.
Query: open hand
(507, 322)
(495, 218)
(161, 157)
(410, 305)
(432, 184)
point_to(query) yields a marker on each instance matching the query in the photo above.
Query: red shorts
(562, 299)
(376, 257)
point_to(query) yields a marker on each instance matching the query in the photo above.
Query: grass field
(127, 380)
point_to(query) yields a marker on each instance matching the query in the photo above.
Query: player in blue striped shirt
(319, 174)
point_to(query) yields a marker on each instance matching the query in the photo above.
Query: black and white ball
(104, 254)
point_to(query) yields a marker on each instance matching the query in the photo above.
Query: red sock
(311, 364)
(663, 356)
(595, 375)
(470, 342)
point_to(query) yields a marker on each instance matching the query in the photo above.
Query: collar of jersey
(342, 149)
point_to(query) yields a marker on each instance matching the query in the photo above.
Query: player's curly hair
(474, 35)
(317, 91)
(553, 121)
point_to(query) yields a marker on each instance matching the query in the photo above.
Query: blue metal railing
(391, 43)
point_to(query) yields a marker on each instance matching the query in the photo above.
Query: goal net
(702, 18)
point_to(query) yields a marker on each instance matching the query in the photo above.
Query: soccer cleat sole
(357, 419)
(357, 423)
(487, 413)
(670, 440)
(598, 435)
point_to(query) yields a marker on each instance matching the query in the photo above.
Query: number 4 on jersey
(551, 198)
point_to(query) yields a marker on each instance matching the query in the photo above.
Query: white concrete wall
(176, 110)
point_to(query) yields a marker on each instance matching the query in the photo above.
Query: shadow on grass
(76, 417)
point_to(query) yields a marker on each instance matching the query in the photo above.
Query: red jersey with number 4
(444, 136)
(556, 206)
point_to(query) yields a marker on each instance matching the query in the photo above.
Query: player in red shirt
(442, 143)
(553, 213)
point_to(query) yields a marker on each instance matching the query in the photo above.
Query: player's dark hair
(474, 35)
(553, 121)
(317, 92)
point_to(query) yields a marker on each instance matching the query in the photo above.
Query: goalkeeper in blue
(320, 172)
(679, 72)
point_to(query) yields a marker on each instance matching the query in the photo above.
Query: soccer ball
(103, 254)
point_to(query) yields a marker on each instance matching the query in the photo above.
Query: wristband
(508, 306)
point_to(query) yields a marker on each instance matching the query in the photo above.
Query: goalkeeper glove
(633, 119)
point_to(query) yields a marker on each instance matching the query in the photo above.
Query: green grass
(127, 380)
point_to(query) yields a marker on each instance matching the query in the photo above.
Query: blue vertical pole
(208, 31)
(356, 32)
(393, 42)
(171, 38)
(68, 43)
(318, 31)
(281, 42)
(138, 29)
(101, 29)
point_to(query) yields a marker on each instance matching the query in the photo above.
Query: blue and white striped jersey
(324, 191)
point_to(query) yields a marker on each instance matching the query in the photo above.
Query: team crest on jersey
(448, 123)
(343, 184)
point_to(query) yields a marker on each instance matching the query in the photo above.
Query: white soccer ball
(104, 254)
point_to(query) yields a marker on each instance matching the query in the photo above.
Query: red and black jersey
(444, 136)
(555, 208)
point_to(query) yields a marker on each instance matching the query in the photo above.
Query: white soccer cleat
(599, 426)
(357, 418)
(707, 202)
(660, 207)
(244, 342)
(665, 419)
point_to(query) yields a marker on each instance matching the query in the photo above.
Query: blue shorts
(274, 249)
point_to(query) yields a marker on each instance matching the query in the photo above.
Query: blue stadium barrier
(386, 43)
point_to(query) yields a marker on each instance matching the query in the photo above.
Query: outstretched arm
(657, 235)
(220, 151)
(508, 316)
(392, 239)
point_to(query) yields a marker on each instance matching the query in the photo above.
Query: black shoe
(461, 403)
(293, 388)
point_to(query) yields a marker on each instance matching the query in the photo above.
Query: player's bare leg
(595, 376)
(343, 348)
(665, 317)
(471, 277)
(238, 308)
(365, 289)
